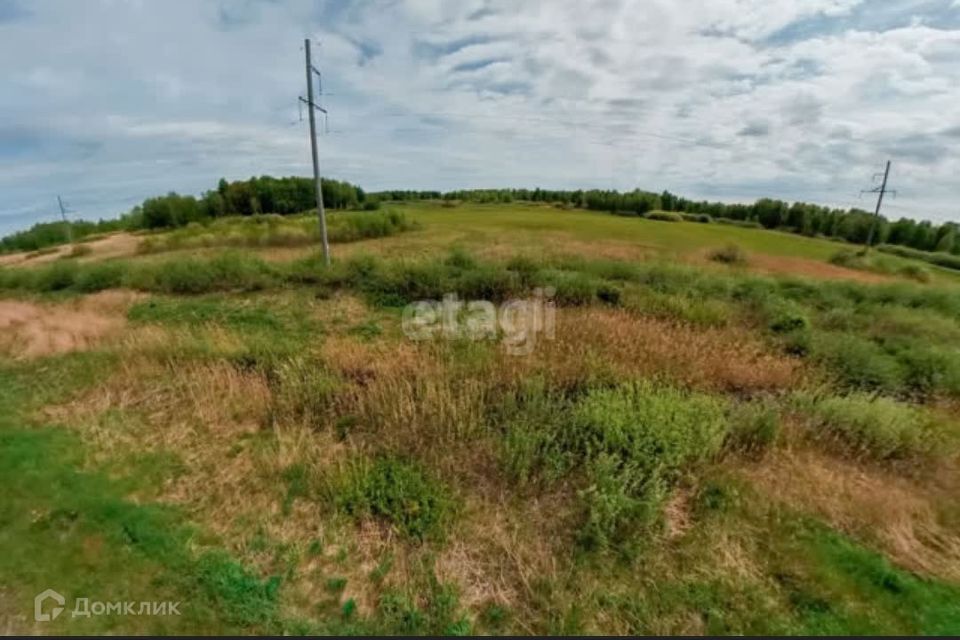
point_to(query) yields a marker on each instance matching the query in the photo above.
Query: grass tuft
(398, 491)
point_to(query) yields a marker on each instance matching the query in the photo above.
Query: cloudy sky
(108, 102)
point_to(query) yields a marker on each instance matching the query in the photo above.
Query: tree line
(243, 197)
(290, 195)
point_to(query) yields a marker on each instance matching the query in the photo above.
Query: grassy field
(707, 429)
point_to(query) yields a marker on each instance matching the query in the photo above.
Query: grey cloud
(536, 104)
(367, 49)
(626, 103)
(757, 129)
(476, 65)
(483, 12)
(922, 149)
(437, 49)
(240, 13)
(803, 111)
(598, 57)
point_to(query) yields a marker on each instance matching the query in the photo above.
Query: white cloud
(118, 101)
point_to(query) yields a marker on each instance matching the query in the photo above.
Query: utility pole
(311, 105)
(63, 214)
(881, 191)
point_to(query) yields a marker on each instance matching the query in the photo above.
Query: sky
(108, 102)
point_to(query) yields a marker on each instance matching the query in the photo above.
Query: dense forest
(294, 195)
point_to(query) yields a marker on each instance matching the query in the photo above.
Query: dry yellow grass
(235, 436)
(115, 245)
(32, 330)
(897, 514)
(612, 344)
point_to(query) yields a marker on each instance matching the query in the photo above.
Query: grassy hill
(701, 429)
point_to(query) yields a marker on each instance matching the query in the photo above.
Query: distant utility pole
(881, 191)
(63, 214)
(311, 105)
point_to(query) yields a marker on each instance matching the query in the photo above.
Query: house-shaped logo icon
(49, 594)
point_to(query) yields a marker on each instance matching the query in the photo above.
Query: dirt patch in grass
(894, 513)
(790, 266)
(32, 330)
(33, 257)
(115, 245)
(807, 268)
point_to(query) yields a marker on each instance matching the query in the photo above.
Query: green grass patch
(269, 230)
(631, 444)
(67, 527)
(875, 427)
(875, 263)
(400, 492)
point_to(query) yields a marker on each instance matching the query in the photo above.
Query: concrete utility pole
(63, 214)
(881, 191)
(311, 105)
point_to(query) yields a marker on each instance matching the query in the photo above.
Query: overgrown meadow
(706, 445)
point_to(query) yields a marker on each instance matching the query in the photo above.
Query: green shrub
(56, 276)
(875, 427)
(458, 258)
(657, 427)
(634, 441)
(240, 271)
(229, 271)
(702, 218)
(663, 216)
(350, 227)
(631, 443)
(532, 417)
(915, 272)
(746, 224)
(879, 264)
(100, 276)
(754, 428)
(609, 294)
(616, 270)
(700, 311)
(12, 278)
(400, 492)
(857, 361)
(571, 289)
(526, 269)
(487, 283)
(269, 230)
(848, 258)
(224, 312)
(730, 254)
(787, 318)
(928, 369)
(945, 260)
(184, 276)
(620, 497)
(302, 391)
